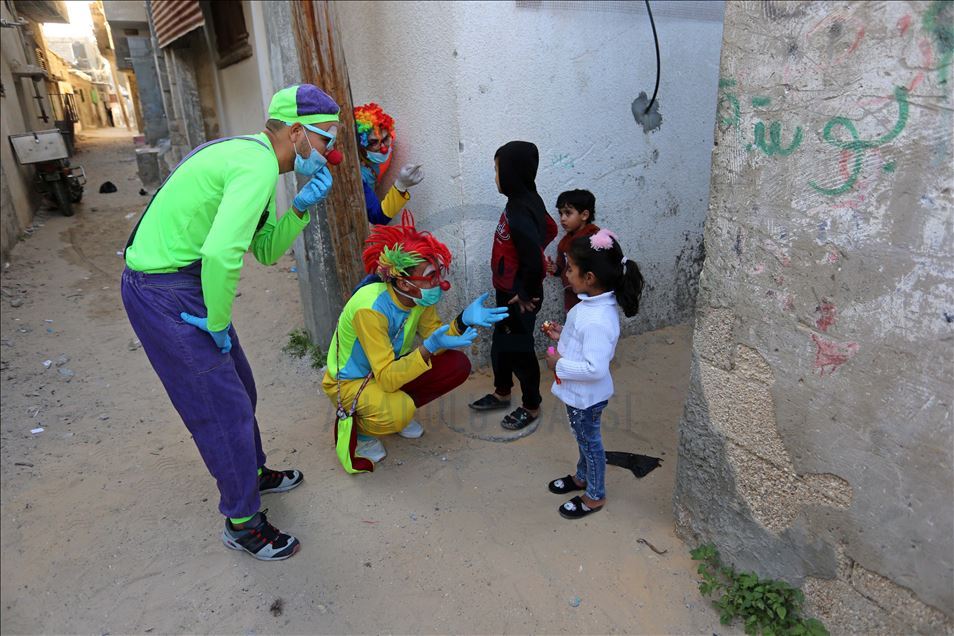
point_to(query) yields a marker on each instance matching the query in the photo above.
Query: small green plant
(767, 607)
(299, 345)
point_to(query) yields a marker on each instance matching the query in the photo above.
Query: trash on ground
(108, 187)
(37, 430)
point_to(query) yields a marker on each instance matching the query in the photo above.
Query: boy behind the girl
(577, 210)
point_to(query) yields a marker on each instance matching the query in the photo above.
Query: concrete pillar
(816, 444)
(153, 114)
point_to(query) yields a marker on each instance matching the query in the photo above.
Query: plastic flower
(602, 240)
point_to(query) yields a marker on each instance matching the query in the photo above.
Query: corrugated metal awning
(174, 18)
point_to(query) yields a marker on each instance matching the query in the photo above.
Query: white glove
(411, 174)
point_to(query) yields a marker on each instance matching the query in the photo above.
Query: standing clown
(376, 377)
(375, 132)
(183, 262)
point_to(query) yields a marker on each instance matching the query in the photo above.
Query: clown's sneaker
(260, 539)
(413, 430)
(278, 480)
(370, 448)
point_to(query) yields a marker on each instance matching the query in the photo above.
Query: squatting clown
(377, 378)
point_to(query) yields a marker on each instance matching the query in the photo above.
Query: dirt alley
(109, 519)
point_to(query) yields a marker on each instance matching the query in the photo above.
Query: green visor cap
(303, 104)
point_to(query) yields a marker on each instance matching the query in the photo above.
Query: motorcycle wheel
(61, 193)
(76, 193)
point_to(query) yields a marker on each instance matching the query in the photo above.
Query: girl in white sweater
(602, 277)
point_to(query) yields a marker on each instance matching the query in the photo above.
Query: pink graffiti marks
(829, 355)
(904, 23)
(826, 315)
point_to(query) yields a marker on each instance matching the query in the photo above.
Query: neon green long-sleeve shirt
(210, 209)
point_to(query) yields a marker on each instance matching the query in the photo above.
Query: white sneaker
(413, 430)
(370, 448)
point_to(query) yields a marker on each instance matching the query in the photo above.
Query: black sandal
(576, 509)
(564, 485)
(519, 419)
(489, 402)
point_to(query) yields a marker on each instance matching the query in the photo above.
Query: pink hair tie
(602, 240)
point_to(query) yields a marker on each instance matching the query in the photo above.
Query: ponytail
(629, 288)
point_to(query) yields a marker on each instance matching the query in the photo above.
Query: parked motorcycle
(54, 177)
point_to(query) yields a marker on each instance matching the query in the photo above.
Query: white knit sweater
(586, 347)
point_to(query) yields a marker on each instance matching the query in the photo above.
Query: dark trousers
(213, 392)
(511, 353)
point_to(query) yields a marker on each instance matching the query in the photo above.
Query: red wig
(392, 251)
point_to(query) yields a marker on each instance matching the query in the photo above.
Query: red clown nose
(334, 157)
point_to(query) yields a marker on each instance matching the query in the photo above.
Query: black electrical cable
(656, 40)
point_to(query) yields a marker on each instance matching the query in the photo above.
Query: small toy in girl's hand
(546, 326)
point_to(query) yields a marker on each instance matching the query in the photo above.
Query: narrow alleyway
(109, 520)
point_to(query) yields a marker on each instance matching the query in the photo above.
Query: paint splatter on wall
(829, 355)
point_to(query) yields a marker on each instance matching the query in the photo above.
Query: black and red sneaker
(260, 539)
(278, 480)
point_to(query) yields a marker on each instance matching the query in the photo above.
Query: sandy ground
(109, 520)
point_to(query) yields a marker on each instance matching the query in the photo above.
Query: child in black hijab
(524, 230)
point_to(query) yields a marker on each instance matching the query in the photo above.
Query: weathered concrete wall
(816, 444)
(153, 117)
(463, 78)
(17, 115)
(241, 87)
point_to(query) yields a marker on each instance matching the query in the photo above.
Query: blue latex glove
(314, 191)
(476, 315)
(222, 339)
(441, 340)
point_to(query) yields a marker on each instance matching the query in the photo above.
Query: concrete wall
(816, 444)
(241, 88)
(83, 96)
(461, 79)
(153, 119)
(125, 11)
(17, 115)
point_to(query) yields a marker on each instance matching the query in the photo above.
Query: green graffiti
(941, 26)
(736, 117)
(774, 147)
(888, 167)
(760, 102)
(857, 145)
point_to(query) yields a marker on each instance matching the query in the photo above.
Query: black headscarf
(517, 163)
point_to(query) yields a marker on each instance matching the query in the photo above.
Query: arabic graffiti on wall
(839, 132)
